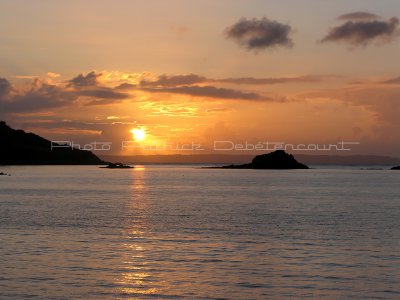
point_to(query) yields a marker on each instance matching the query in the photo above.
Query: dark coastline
(21, 148)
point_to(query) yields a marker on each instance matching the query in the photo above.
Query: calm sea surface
(172, 232)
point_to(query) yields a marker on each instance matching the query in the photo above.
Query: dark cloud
(90, 79)
(187, 84)
(175, 80)
(209, 91)
(88, 86)
(41, 95)
(103, 93)
(392, 81)
(256, 34)
(358, 15)
(363, 32)
(5, 87)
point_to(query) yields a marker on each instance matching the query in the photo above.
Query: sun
(138, 134)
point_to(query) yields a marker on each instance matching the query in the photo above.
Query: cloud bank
(92, 89)
(209, 91)
(41, 95)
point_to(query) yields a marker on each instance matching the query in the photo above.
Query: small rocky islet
(117, 166)
(277, 160)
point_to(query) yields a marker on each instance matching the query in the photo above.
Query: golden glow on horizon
(138, 134)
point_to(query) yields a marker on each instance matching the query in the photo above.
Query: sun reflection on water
(136, 279)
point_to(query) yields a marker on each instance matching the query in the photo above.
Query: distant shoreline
(221, 159)
(364, 167)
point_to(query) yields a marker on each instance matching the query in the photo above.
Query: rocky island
(21, 148)
(278, 159)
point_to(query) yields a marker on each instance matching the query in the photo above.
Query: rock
(117, 166)
(278, 159)
(395, 168)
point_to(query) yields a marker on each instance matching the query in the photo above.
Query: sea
(185, 232)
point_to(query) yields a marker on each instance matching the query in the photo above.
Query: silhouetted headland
(395, 168)
(21, 148)
(278, 159)
(117, 166)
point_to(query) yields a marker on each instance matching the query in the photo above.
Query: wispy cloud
(26, 76)
(395, 80)
(188, 84)
(381, 101)
(275, 80)
(258, 34)
(209, 91)
(190, 79)
(179, 29)
(174, 80)
(358, 15)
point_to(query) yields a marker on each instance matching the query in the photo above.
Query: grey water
(182, 232)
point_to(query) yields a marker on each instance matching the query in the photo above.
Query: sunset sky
(293, 71)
